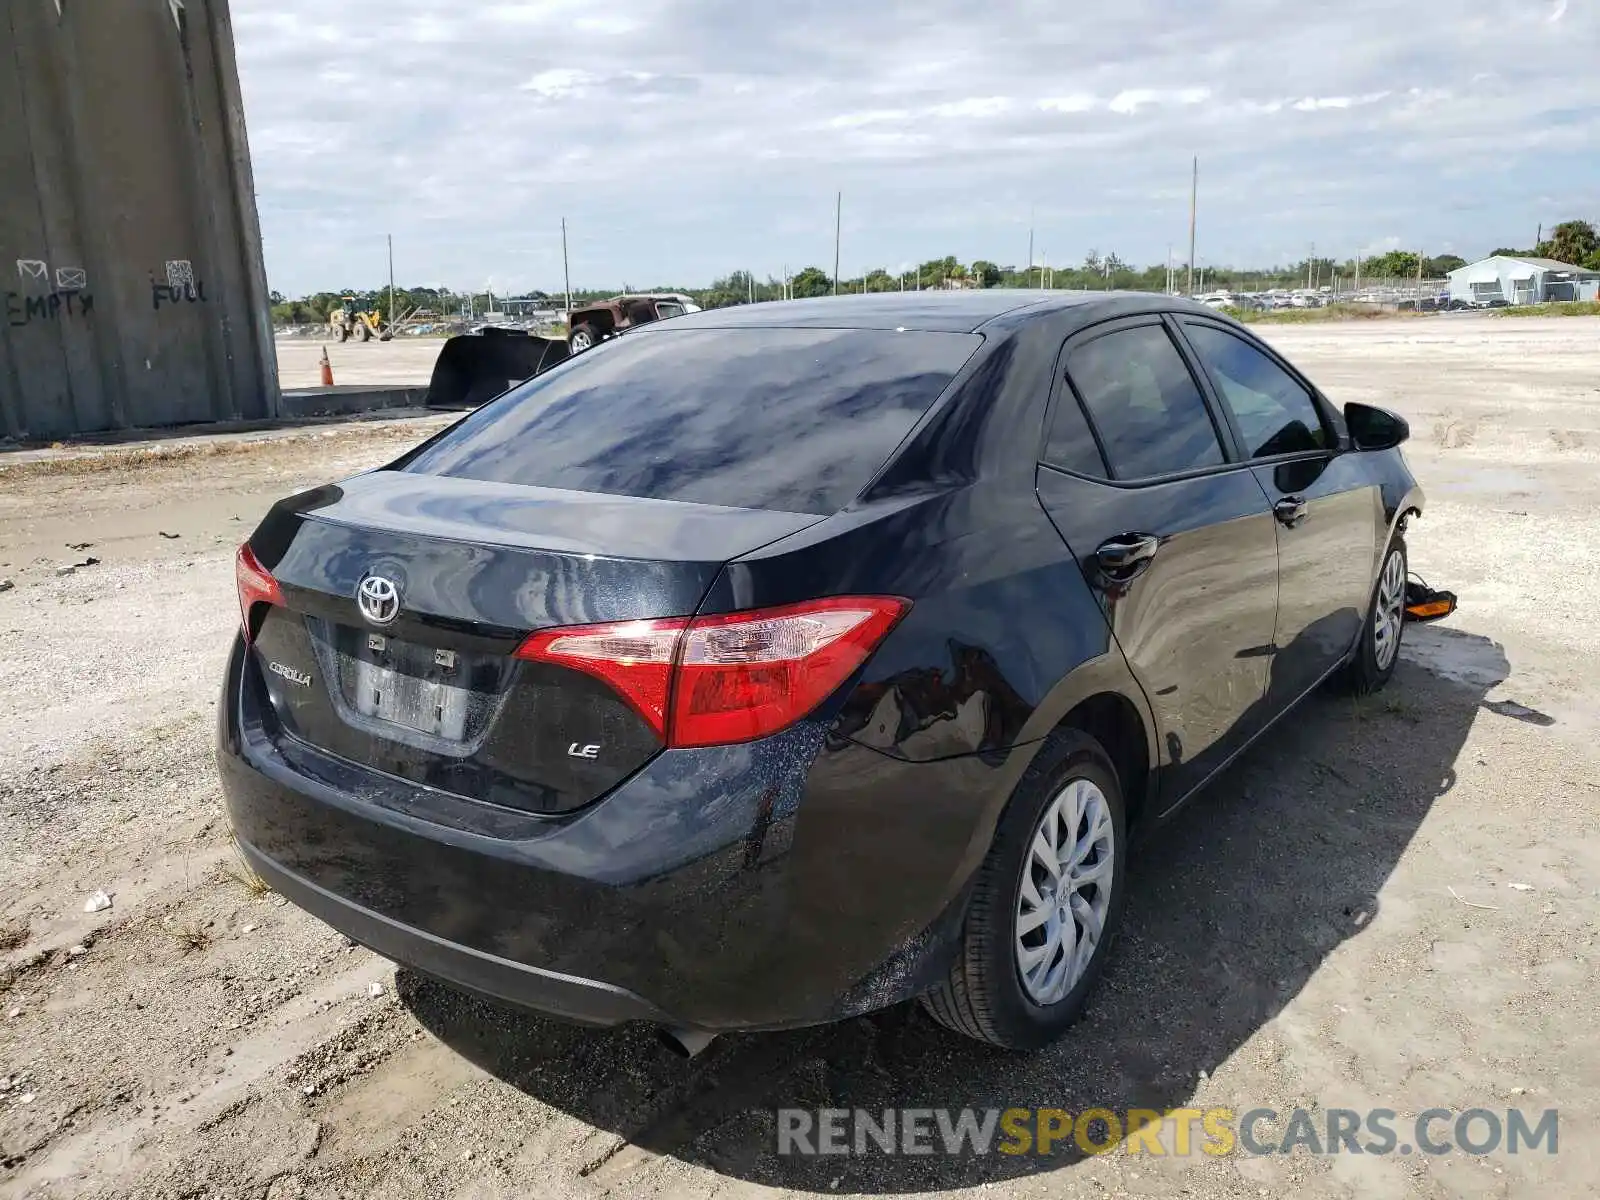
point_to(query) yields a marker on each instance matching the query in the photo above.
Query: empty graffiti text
(51, 306)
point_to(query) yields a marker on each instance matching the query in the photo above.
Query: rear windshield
(796, 420)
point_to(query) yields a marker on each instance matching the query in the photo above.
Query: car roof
(633, 296)
(964, 311)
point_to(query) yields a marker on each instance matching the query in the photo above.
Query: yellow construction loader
(348, 321)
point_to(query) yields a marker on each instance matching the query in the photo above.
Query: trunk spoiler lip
(365, 510)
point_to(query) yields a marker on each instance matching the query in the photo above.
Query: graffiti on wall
(69, 300)
(24, 309)
(181, 286)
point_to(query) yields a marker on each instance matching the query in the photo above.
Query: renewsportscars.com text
(1177, 1132)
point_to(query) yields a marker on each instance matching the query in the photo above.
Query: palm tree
(1572, 242)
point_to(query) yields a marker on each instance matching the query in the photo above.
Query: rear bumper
(784, 882)
(584, 1001)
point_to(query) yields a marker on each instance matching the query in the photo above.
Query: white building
(1522, 281)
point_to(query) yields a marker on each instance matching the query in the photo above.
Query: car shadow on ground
(1235, 903)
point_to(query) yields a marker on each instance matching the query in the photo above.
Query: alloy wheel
(1065, 892)
(1389, 611)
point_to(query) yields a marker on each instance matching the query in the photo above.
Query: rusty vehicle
(594, 322)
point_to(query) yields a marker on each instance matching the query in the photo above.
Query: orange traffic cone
(327, 369)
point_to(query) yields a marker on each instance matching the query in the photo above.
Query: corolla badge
(378, 599)
(298, 678)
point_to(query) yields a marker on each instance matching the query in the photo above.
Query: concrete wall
(130, 254)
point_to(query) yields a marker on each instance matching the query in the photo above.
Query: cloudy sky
(683, 139)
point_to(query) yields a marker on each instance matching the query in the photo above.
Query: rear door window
(1144, 403)
(797, 420)
(1070, 446)
(1274, 412)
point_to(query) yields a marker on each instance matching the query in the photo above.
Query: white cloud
(1313, 103)
(875, 117)
(558, 82)
(973, 106)
(686, 138)
(1134, 99)
(1079, 102)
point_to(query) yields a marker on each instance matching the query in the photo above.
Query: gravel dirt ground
(406, 360)
(1393, 902)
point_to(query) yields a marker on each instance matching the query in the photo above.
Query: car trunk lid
(427, 688)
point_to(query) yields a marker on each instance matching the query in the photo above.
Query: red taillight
(727, 678)
(745, 675)
(634, 657)
(256, 586)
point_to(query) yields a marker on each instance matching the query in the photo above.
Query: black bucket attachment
(476, 367)
(1423, 603)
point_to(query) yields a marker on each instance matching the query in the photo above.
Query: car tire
(985, 995)
(1378, 651)
(582, 338)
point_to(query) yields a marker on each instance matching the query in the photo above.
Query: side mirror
(1374, 428)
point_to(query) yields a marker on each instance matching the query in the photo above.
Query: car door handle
(1291, 510)
(1126, 553)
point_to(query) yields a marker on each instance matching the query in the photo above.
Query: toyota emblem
(378, 599)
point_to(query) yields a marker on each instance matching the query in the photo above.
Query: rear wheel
(341, 333)
(1047, 904)
(581, 338)
(1378, 651)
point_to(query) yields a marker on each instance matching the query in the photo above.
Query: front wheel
(1378, 651)
(1047, 903)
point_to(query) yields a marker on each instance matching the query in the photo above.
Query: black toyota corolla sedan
(779, 663)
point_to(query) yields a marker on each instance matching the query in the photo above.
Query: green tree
(1593, 261)
(1571, 242)
(1396, 264)
(1438, 268)
(812, 281)
(986, 273)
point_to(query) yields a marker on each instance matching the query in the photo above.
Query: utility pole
(566, 271)
(1194, 197)
(838, 225)
(1419, 280)
(1309, 258)
(1169, 268)
(1030, 245)
(1358, 273)
(391, 282)
(750, 280)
